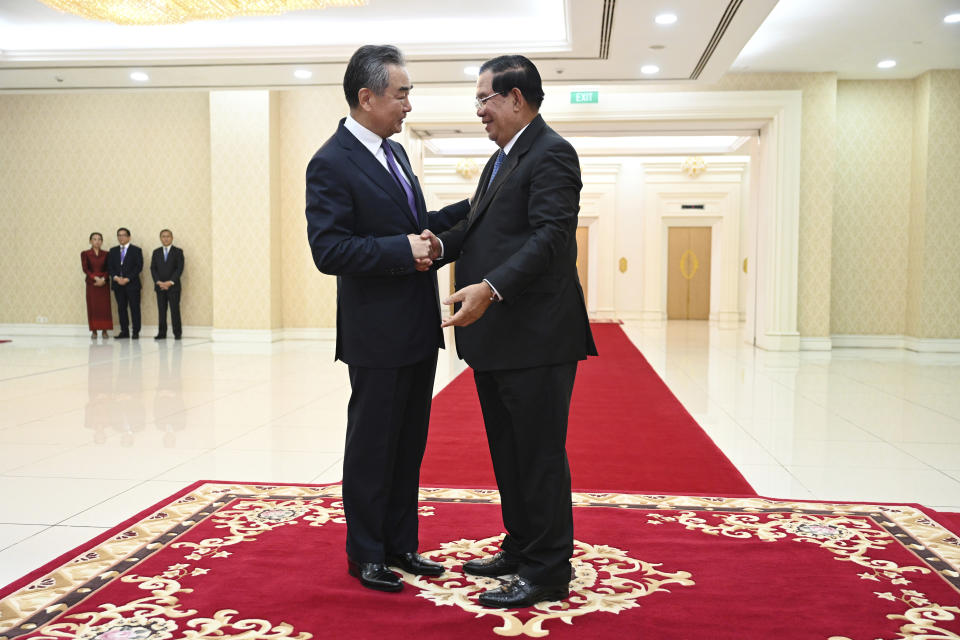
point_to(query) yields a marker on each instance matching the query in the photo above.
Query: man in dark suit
(124, 263)
(367, 224)
(166, 267)
(522, 325)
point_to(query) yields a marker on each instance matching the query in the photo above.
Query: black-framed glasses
(479, 102)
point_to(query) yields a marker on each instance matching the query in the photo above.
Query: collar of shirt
(366, 137)
(372, 142)
(124, 247)
(513, 140)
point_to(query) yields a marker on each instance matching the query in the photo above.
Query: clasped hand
(425, 248)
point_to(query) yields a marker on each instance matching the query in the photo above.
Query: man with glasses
(124, 263)
(521, 324)
(367, 224)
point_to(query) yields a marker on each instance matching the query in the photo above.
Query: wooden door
(688, 273)
(583, 245)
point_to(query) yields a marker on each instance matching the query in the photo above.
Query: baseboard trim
(910, 343)
(816, 344)
(83, 331)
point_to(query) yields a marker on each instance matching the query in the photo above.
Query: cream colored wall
(76, 162)
(81, 162)
(871, 219)
(918, 205)
(817, 176)
(935, 218)
(307, 119)
(244, 253)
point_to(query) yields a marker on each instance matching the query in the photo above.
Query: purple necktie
(395, 170)
(123, 253)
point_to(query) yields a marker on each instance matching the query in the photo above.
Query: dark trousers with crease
(387, 420)
(169, 297)
(128, 297)
(525, 413)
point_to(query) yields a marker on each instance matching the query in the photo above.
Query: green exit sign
(584, 97)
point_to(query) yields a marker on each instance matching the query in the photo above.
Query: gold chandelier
(144, 12)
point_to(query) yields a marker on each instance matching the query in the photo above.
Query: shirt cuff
(441, 249)
(496, 294)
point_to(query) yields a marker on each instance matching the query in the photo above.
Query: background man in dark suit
(166, 267)
(124, 263)
(522, 325)
(367, 224)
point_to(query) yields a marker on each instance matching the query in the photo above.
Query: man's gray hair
(368, 69)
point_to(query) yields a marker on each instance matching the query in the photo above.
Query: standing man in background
(522, 326)
(166, 267)
(368, 225)
(124, 263)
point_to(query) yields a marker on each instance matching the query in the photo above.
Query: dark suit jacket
(388, 314)
(520, 235)
(131, 267)
(172, 269)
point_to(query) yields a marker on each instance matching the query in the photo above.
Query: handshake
(426, 248)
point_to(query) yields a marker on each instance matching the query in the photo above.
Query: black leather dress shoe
(521, 593)
(121, 336)
(159, 337)
(135, 336)
(496, 565)
(374, 575)
(176, 337)
(416, 564)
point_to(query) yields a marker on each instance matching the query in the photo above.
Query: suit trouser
(387, 420)
(127, 296)
(172, 297)
(525, 414)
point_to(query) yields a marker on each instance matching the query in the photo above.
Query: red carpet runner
(627, 432)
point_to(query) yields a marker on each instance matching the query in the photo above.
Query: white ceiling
(42, 49)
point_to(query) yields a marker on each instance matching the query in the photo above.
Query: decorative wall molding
(816, 344)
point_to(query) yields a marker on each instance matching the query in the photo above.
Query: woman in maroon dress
(94, 262)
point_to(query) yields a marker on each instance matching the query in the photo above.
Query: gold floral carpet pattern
(239, 561)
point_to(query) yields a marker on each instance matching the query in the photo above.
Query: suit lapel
(400, 154)
(371, 167)
(520, 148)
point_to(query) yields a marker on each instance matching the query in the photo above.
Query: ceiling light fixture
(887, 64)
(179, 11)
(139, 76)
(303, 74)
(472, 71)
(666, 18)
(953, 18)
(649, 69)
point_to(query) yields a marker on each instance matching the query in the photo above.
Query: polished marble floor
(92, 432)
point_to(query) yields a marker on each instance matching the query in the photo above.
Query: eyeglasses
(479, 102)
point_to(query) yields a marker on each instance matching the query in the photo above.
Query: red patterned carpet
(227, 560)
(242, 561)
(627, 432)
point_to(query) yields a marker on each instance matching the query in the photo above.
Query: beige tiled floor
(91, 433)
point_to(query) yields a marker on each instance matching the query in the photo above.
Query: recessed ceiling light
(887, 64)
(666, 18)
(139, 76)
(472, 71)
(649, 69)
(303, 74)
(953, 18)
